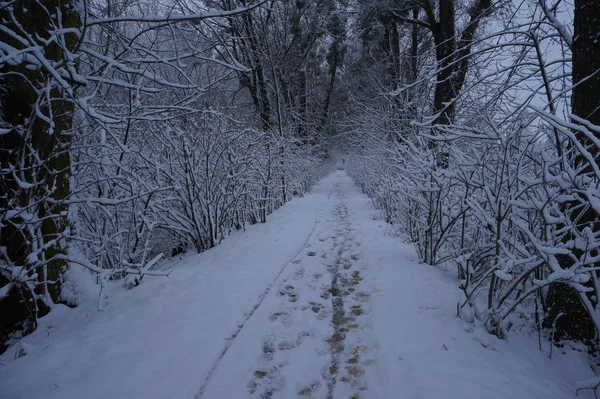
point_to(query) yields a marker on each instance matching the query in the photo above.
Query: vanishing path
(322, 302)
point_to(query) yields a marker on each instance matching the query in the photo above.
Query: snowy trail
(321, 302)
(247, 317)
(306, 337)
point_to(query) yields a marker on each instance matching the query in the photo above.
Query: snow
(425, 351)
(322, 301)
(502, 275)
(5, 290)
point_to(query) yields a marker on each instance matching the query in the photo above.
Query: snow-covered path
(307, 339)
(320, 302)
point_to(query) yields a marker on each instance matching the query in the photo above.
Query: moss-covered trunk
(566, 314)
(34, 159)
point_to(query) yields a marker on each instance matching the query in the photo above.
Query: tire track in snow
(249, 315)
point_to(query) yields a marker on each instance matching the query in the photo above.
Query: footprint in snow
(314, 306)
(290, 291)
(357, 310)
(309, 391)
(275, 316)
(299, 274)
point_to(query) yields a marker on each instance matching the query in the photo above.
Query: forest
(133, 132)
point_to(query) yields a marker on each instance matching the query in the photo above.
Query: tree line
(133, 130)
(478, 137)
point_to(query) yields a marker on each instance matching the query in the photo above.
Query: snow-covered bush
(131, 131)
(499, 182)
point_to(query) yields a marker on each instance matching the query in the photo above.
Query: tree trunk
(453, 57)
(586, 61)
(574, 321)
(38, 150)
(445, 46)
